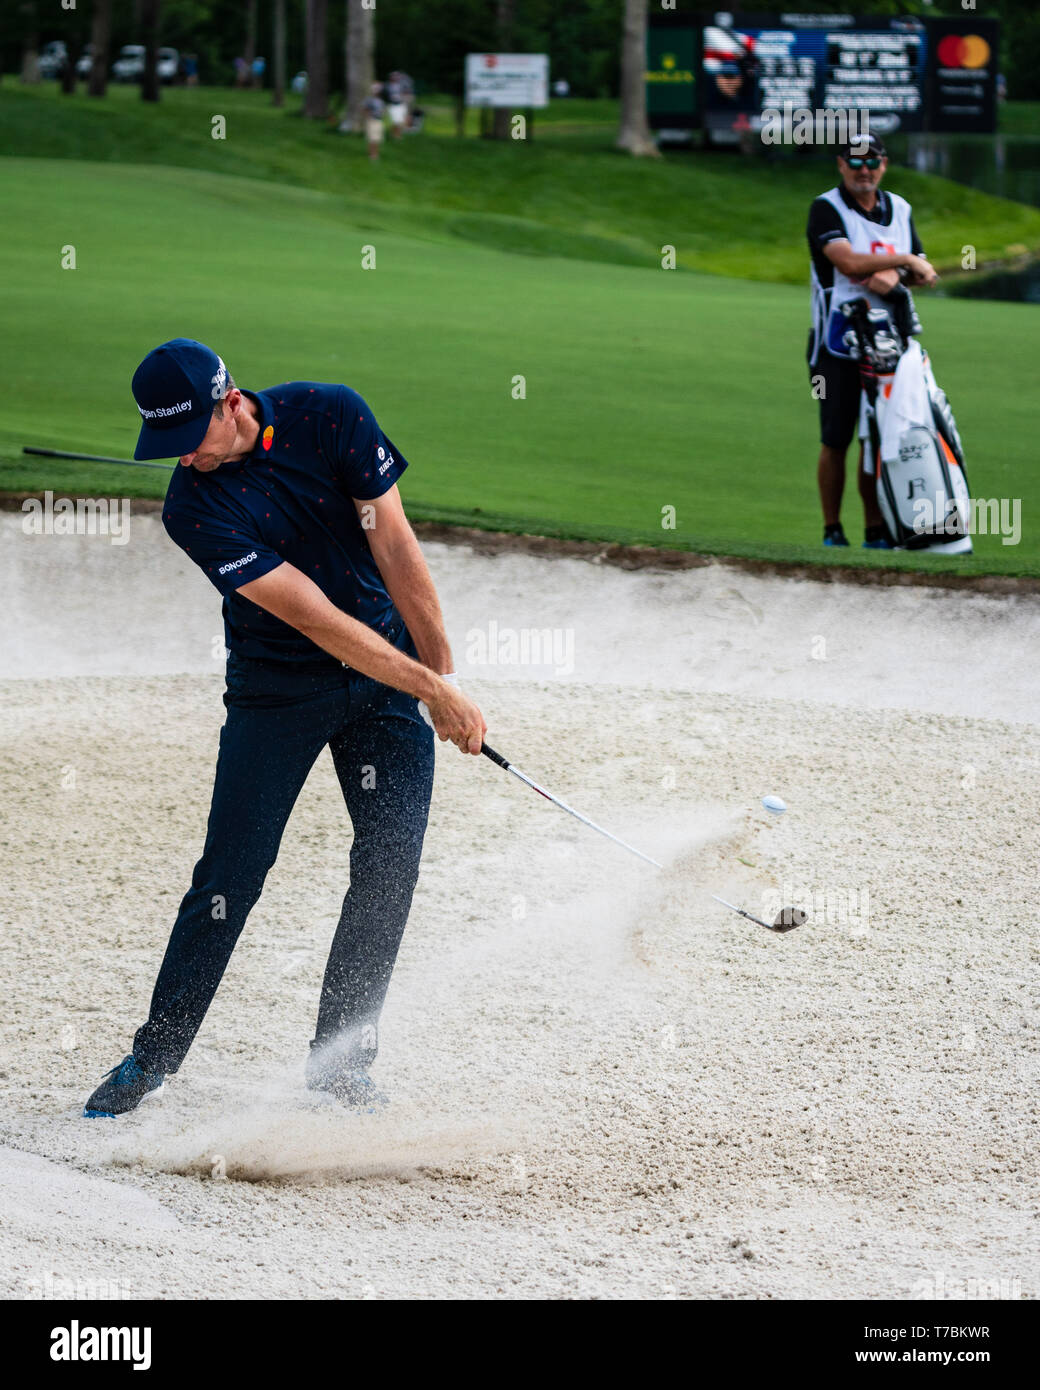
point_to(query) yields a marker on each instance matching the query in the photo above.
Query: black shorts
(839, 394)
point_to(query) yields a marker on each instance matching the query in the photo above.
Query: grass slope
(645, 389)
(565, 192)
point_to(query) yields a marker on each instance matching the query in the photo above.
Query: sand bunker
(604, 1083)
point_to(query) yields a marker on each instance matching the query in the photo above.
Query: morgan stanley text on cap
(176, 388)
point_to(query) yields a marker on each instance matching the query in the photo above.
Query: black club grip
(495, 757)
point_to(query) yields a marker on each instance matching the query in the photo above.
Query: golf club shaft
(530, 782)
(93, 458)
(757, 920)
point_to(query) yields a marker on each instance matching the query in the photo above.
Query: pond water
(1008, 166)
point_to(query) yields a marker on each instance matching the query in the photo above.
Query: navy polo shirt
(291, 499)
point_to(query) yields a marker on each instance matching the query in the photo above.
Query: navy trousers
(280, 716)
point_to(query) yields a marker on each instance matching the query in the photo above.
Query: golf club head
(788, 918)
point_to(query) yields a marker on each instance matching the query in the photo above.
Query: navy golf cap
(176, 388)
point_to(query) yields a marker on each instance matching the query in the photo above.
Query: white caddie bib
(867, 238)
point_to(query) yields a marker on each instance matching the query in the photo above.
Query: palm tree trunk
(150, 36)
(634, 132)
(100, 43)
(316, 105)
(361, 42)
(278, 69)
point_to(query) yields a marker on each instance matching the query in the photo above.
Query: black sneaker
(338, 1080)
(874, 538)
(835, 535)
(123, 1090)
(356, 1090)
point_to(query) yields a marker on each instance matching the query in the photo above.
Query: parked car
(53, 58)
(129, 66)
(169, 64)
(85, 62)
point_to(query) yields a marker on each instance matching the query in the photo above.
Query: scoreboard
(721, 72)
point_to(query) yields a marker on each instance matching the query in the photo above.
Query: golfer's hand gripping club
(454, 718)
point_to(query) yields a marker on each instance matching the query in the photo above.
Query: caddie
(863, 243)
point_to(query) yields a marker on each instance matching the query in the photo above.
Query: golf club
(530, 782)
(786, 919)
(779, 926)
(93, 458)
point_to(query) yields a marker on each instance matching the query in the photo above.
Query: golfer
(397, 104)
(375, 109)
(287, 500)
(863, 244)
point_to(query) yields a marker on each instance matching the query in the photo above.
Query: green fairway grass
(645, 389)
(565, 192)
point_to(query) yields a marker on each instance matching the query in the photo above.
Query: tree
(634, 132)
(73, 33)
(150, 34)
(316, 106)
(505, 19)
(278, 64)
(30, 42)
(1020, 45)
(68, 72)
(361, 42)
(100, 43)
(250, 48)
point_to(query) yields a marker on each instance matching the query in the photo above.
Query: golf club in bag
(910, 438)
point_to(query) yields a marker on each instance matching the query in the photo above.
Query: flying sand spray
(786, 919)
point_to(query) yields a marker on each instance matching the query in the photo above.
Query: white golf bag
(910, 439)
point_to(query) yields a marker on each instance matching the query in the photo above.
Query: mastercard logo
(268, 436)
(963, 51)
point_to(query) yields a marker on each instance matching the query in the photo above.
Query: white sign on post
(507, 79)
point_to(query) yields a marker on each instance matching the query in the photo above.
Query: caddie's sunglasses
(856, 162)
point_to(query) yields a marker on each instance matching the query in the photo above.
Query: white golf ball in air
(774, 804)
